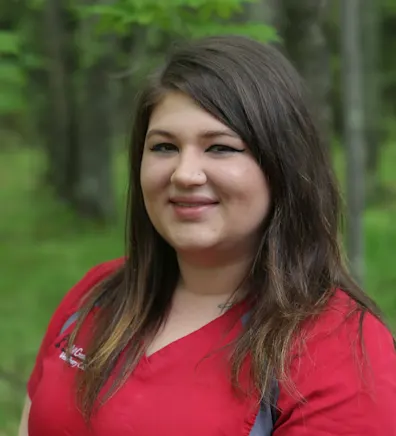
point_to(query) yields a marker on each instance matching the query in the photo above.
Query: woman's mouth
(192, 208)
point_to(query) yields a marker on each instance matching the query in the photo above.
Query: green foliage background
(44, 247)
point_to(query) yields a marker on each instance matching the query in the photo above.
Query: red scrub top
(184, 388)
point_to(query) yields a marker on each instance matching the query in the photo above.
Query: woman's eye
(163, 147)
(218, 148)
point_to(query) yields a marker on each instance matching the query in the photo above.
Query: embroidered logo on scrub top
(77, 356)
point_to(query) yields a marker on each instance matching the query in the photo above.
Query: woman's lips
(192, 207)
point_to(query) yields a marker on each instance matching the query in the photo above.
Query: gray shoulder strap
(69, 322)
(72, 319)
(267, 414)
(265, 421)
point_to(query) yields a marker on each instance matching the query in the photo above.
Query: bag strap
(265, 408)
(72, 319)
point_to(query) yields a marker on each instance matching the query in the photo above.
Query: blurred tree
(179, 18)
(83, 49)
(373, 93)
(78, 135)
(388, 61)
(94, 196)
(354, 129)
(267, 11)
(61, 126)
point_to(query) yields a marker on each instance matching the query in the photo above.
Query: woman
(232, 313)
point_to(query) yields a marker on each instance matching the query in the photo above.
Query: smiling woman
(232, 312)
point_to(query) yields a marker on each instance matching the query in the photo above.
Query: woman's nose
(189, 170)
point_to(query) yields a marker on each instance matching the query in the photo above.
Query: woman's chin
(192, 246)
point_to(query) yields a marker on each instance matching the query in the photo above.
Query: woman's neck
(219, 279)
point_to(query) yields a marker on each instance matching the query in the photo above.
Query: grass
(44, 249)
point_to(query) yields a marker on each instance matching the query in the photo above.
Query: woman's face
(202, 188)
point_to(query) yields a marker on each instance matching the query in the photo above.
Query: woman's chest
(180, 390)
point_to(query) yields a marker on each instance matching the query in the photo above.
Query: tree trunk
(94, 197)
(80, 110)
(60, 133)
(354, 130)
(302, 29)
(372, 86)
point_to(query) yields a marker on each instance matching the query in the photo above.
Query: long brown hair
(255, 91)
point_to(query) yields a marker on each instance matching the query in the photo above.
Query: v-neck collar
(209, 330)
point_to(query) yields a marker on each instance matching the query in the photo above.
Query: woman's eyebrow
(159, 132)
(207, 134)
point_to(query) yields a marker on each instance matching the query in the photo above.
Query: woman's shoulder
(71, 301)
(344, 321)
(68, 306)
(90, 279)
(342, 374)
(346, 330)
